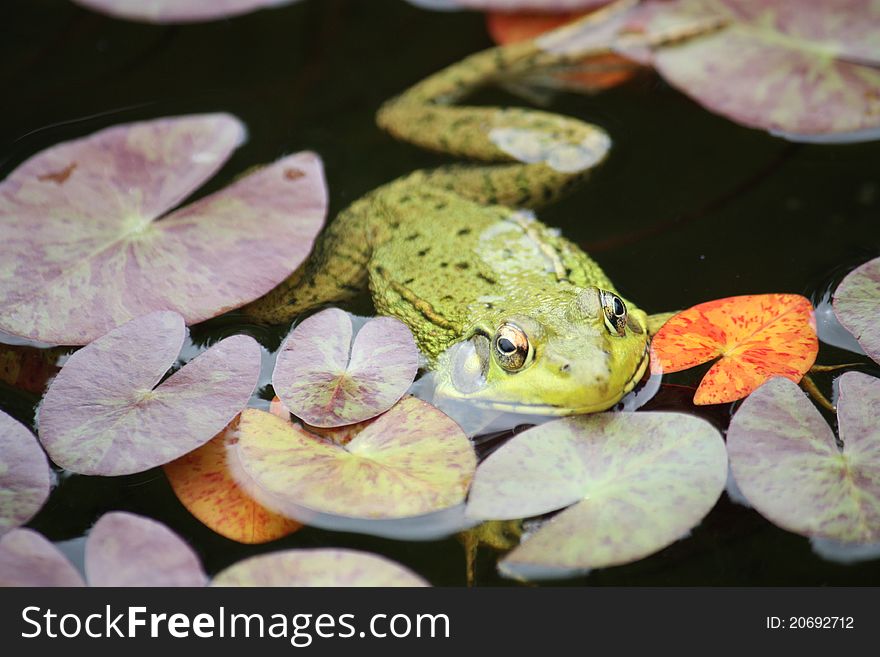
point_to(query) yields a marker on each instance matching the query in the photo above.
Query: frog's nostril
(566, 368)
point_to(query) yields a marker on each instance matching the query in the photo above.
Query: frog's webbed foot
(500, 535)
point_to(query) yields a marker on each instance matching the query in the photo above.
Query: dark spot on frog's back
(58, 177)
(424, 251)
(413, 237)
(463, 231)
(461, 265)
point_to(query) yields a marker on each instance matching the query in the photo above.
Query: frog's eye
(511, 347)
(615, 313)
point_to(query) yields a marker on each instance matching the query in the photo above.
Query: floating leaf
(409, 461)
(322, 567)
(177, 11)
(122, 550)
(329, 381)
(755, 337)
(28, 559)
(28, 368)
(799, 66)
(128, 550)
(786, 461)
(510, 5)
(82, 251)
(637, 482)
(206, 482)
(857, 306)
(24, 474)
(104, 414)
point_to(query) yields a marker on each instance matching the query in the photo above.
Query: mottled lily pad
(510, 5)
(322, 567)
(857, 306)
(104, 413)
(128, 550)
(209, 483)
(330, 381)
(28, 559)
(24, 474)
(82, 249)
(788, 465)
(409, 461)
(121, 550)
(634, 482)
(755, 337)
(177, 11)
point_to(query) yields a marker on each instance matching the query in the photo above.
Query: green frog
(508, 314)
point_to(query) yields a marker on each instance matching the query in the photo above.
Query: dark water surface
(690, 207)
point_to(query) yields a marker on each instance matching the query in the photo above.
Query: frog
(508, 313)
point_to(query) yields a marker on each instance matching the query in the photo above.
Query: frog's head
(581, 356)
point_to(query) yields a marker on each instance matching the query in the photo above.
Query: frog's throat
(549, 409)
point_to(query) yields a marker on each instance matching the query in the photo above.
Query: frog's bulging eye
(511, 347)
(615, 313)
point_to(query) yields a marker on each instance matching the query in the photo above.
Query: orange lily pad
(754, 338)
(207, 483)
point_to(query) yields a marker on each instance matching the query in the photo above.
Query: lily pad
(330, 381)
(788, 465)
(320, 567)
(128, 550)
(28, 368)
(28, 559)
(121, 550)
(633, 482)
(177, 11)
(549, 6)
(104, 413)
(755, 337)
(409, 461)
(857, 306)
(24, 474)
(83, 251)
(208, 483)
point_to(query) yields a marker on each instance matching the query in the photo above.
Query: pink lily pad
(633, 482)
(321, 567)
(28, 559)
(330, 381)
(122, 549)
(104, 413)
(857, 306)
(83, 251)
(786, 461)
(804, 67)
(409, 461)
(24, 474)
(128, 550)
(177, 11)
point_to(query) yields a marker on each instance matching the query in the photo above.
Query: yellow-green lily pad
(319, 567)
(329, 380)
(107, 414)
(411, 460)
(633, 482)
(787, 463)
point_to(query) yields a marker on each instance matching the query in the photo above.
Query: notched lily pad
(122, 549)
(409, 461)
(633, 482)
(24, 474)
(330, 381)
(755, 337)
(28, 559)
(857, 306)
(320, 567)
(128, 550)
(104, 413)
(177, 11)
(208, 482)
(787, 463)
(83, 251)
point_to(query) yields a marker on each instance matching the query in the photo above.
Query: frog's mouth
(524, 408)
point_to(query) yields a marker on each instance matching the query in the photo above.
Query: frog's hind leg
(335, 271)
(539, 155)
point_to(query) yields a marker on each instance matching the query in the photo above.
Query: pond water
(690, 207)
